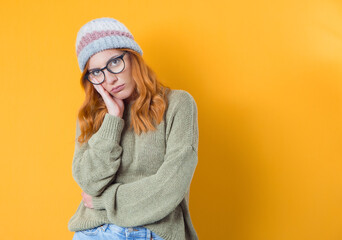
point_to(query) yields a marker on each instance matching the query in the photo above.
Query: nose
(110, 77)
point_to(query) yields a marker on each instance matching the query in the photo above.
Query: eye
(95, 72)
(114, 62)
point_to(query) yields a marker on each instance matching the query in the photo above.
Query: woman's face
(100, 59)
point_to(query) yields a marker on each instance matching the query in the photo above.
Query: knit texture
(101, 34)
(140, 180)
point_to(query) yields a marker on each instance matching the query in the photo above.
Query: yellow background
(266, 76)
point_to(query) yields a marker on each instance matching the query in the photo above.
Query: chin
(121, 95)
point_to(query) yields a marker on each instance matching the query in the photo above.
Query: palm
(114, 105)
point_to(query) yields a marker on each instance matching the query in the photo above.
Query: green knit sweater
(140, 180)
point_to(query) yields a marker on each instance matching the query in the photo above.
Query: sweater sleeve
(96, 162)
(154, 197)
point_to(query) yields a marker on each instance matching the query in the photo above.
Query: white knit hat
(101, 34)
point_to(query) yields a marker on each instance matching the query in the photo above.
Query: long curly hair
(149, 101)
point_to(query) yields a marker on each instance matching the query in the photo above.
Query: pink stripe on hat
(101, 34)
(90, 37)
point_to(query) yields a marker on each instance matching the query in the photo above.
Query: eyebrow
(115, 56)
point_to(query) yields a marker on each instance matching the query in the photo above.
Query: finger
(118, 101)
(105, 94)
(98, 88)
(101, 88)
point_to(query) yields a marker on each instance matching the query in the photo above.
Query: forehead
(100, 59)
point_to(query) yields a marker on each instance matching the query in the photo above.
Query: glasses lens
(116, 65)
(96, 77)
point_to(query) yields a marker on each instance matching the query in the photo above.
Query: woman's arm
(96, 162)
(153, 198)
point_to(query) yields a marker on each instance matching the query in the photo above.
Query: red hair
(149, 100)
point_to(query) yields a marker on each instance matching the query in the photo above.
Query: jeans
(113, 232)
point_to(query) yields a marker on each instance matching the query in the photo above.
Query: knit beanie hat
(101, 34)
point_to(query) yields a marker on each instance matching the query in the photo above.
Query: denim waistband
(125, 230)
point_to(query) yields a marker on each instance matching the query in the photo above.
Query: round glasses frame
(86, 76)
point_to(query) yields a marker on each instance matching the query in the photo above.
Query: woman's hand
(87, 199)
(114, 105)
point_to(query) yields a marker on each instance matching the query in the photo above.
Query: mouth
(118, 88)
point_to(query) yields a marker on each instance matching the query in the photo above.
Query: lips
(118, 88)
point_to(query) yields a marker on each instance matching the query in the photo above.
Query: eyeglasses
(114, 65)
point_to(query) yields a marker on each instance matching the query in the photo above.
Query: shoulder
(182, 119)
(179, 98)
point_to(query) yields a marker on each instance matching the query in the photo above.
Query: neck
(129, 99)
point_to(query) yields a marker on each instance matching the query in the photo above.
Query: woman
(136, 143)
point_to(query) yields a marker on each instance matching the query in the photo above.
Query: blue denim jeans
(113, 232)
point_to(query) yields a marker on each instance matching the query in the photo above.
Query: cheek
(133, 83)
(105, 87)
